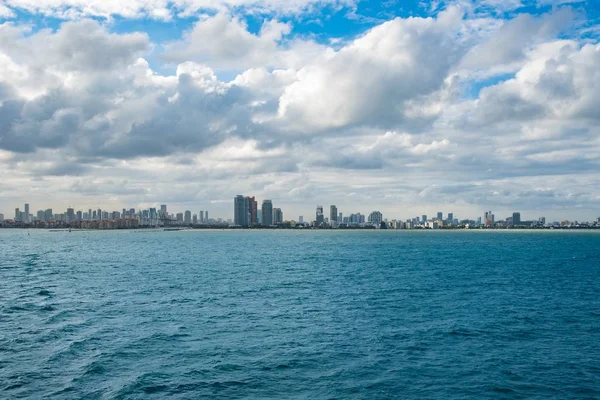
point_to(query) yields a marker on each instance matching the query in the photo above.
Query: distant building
(240, 210)
(253, 209)
(440, 216)
(375, 218)
(179, 217)
(267, 213)
(17, 214)
(301, 219)
(489, 218)
(424, 218)
(320, 218)
(195, 219)
(188, 217)
(450, 217)
(259, 217)
(201, 217)
(516, 218)
(333, 214)
(277, 216)
(163, 209)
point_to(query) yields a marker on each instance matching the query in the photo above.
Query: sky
(406, 107)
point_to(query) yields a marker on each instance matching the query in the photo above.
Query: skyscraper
(252, 209)
(267, 213)
(17, 214)
(440, 216)
(26, 211)
(450, 217)
(320, 218)
(201, 216)
(516, 218)
(240, 210)
(333, 214)
(277, 216)
(163, 210)
(424, 218)
(188, 217)
(375, 218)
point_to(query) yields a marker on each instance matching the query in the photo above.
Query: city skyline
(247, 215)
(406, 107)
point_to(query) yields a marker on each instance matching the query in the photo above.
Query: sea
(293, 314)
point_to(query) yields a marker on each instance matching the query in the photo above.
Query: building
(241, 211)
(201, 217)
(179, 217)
(301, 219)
(277, 216)
(48, 215)
(1, 218)
(205, 216)
(253, 209)
(187, 217)
(259, 217)
(424, 218)
(451, 217)
(17, 214)
(375, 218)
(163, 210)
(267, 213)
(195, 219)
(333, 214)
(440, 216)
(320, 218)
(516, 218)
(489, 218)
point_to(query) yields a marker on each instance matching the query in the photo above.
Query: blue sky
(408, 107)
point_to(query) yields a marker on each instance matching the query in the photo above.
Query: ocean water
(299, 314)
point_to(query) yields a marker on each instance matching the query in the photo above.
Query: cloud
(409, 114)
(163, 9)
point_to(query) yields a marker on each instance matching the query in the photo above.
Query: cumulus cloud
(387, 119)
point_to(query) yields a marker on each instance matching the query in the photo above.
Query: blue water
(297, 314)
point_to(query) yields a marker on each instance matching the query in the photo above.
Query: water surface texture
(297, 314)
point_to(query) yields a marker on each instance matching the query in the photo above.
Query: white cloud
(382, 120)
(162, 9)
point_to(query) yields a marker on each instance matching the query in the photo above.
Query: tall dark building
(252, 209)
(516, 218)
(266, 213)
(240, 210)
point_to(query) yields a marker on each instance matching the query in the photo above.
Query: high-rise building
(27, 219)
(301, 219)
(163, 210)
(489, 218)
(195, 219)
(440, 216)
(70, 215)
(516, 219)
(79, 215)
(267, 213)
(179, 217)
(252, 209)
(41, 215)
(333, 214)
(205, 216)
(17, 214)
(259, 217)
(424, 218)
(188, 217)
(240, 210)
(340, 218)
(542, 220)
(201, 217)
(1, 218)
(320, 218)
(375, 218)
(277, 216)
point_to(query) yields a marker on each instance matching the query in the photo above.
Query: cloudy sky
(405, 106)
